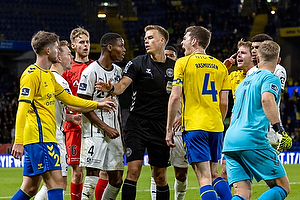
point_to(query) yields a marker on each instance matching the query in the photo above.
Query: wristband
(277, 126)
(111, 90)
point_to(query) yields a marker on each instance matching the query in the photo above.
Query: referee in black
(152, 77)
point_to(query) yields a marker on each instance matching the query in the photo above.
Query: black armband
(111, 90)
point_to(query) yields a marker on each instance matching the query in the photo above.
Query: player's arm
(72, 100)
(18, 148)
(85, 110)
(177, 123)
(76, 119)
(271, 111)
(92, 116)
(173, 105)
(270, 107)
(115, 89)
(224, 103)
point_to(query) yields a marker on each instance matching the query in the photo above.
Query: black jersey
(152, 85)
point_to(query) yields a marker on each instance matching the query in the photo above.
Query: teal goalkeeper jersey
(249, 124)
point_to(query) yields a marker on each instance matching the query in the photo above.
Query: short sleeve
(271, 84)
(179, 72)
(87, 82)
(28, 87)
(131, 70)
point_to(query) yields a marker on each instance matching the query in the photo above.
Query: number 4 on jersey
(212, 91)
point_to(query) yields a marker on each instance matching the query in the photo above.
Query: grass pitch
(11, 179)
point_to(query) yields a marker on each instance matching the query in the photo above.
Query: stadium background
(229, 21)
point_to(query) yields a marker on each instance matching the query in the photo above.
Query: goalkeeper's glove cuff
(278, 127)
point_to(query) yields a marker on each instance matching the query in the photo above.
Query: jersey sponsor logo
(274, 88)
(82, 86)
(25, 91)
(170, 72)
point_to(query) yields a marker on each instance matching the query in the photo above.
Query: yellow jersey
(236, 78)
(202, 78)
(39, 88)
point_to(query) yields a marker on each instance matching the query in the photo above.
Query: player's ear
(109, 47)
(47, 50)
(73, 45)
(59, 58)
(279, 59)
(194, 41)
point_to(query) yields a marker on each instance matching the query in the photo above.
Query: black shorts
(140, 134)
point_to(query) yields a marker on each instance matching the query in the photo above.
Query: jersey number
(91, 150)
(73, 150)
(57, 164)
(212, 91)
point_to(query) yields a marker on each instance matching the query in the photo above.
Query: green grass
(11, 179)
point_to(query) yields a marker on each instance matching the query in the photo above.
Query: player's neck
(105, 62)
(198, 50)
(81, 59)
(247, 68)
(159, 57)
(57, 68)
(43, 62)
(266, 66)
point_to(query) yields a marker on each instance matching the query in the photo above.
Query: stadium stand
(229, 20)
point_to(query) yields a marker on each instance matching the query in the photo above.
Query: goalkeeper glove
(284, 140)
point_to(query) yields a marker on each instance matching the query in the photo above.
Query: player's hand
(284, 140)
(104, 87)
(76, 119)
(170, 138)
(107, 104)
(177, 124)
(112, 133)
(17, 151)
(230, 61)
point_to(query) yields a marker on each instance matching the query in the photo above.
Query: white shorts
(102, 153)
(63, 157)
(178, 156)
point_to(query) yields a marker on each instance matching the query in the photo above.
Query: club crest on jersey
(170, 72)
(82, 86)
(25, 92)
(274, 87)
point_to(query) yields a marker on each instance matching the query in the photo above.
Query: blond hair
(76, 32)
(268, 51)
(164, 33)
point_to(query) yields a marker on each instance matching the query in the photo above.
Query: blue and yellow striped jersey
(202, 78)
